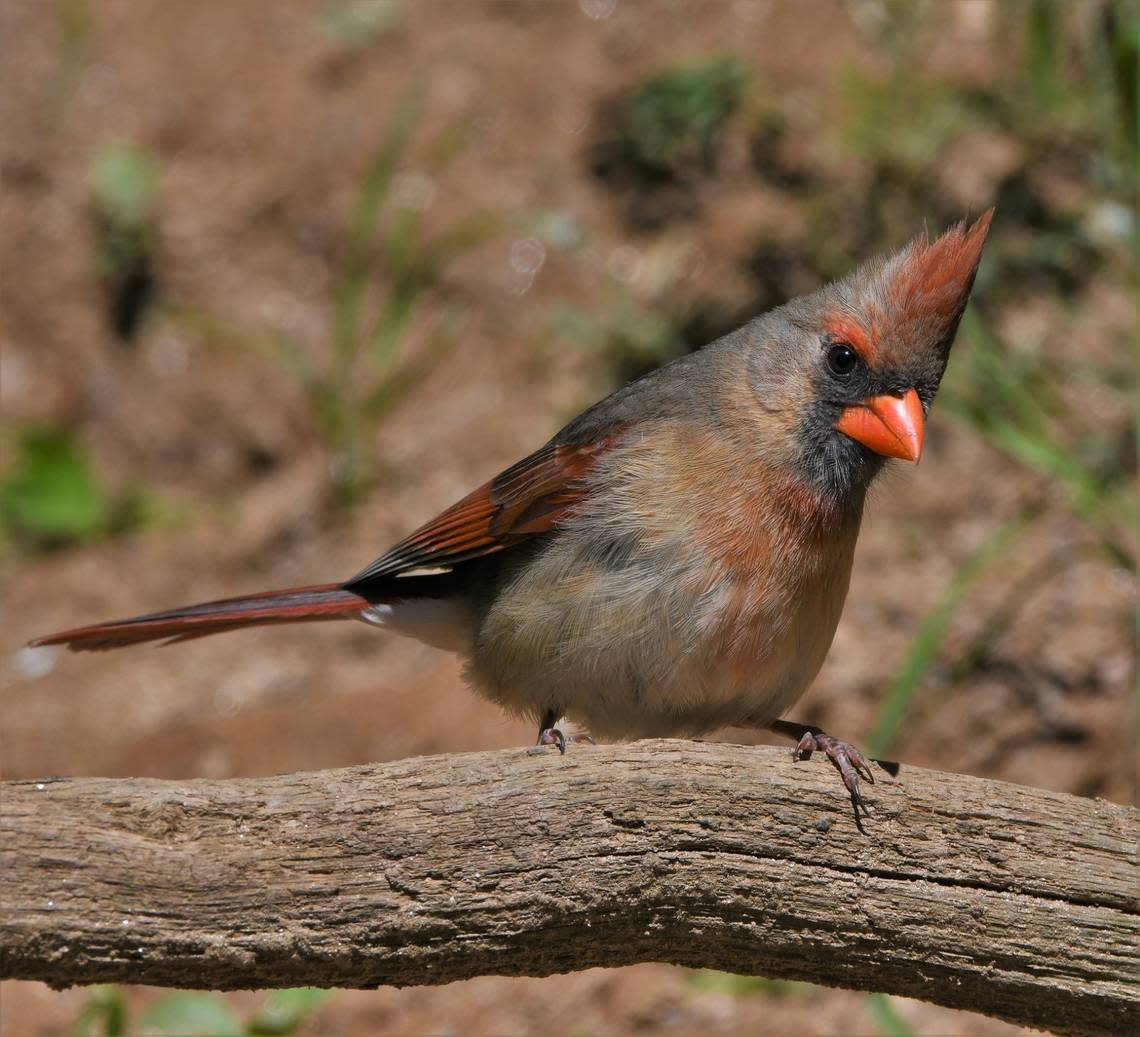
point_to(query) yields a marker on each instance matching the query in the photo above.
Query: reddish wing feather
(528, 499)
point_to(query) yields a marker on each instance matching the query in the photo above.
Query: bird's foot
(552, 736)
(555, 736)
(849, 761)
(548, 734)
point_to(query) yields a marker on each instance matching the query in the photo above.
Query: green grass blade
(105, 1008)
(1019, 412)
(403, 379)
(374, 191)
(1122, 26)
(415, 269)
(460, 239)
(73, 51)
(1044, 49)
(279, 347)
(932, 631)
(886, 1016)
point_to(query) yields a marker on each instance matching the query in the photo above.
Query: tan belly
(663, 637)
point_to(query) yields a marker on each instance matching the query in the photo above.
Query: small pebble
(822, 825)
(34, 663)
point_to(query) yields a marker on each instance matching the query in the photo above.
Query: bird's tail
(296, 605)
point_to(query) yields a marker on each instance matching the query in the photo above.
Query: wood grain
(1016, 902)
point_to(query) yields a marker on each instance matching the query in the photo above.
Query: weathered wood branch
(1012, 901)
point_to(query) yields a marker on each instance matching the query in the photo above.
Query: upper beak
(890, 425)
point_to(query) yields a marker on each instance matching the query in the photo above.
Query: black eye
(841, 358)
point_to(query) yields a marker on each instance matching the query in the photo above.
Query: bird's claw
(849, 761)
(554, 736)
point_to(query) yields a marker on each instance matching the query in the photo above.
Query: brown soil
(263, 128)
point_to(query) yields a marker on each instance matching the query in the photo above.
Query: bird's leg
(849, 761)
(548, 734)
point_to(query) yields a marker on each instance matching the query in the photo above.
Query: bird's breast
(694, 589)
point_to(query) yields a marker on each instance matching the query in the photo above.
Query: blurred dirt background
(282, 280)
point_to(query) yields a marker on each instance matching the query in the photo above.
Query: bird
(675, 559)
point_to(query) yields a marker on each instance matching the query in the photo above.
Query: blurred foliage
(886, 1016)
(632, 338)
(364, 381)
(926, 645)
(643, 316)
(50, 494)
(283, 1011)
(389, 326)
(194, 1014)
(50, 497)
(187, 1014)
(666, 132)
(1015, 402)
(74, 20)
(671, 122)
(1068, 94)
(358, 25)
(710, 981)
(124, 185)
(1121, 30)
(104, 1013)
(124, 201)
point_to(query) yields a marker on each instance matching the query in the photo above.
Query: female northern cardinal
(677, 557)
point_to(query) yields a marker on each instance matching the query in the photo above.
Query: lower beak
(890, 425)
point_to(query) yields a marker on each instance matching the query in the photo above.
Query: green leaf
(190, 1015)
(124, 182)
(285, 1010)
(51, 491)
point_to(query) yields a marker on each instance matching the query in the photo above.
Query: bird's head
(853, 368)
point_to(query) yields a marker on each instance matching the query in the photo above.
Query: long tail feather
(296, 605)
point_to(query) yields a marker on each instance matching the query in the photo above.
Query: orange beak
(890, 425)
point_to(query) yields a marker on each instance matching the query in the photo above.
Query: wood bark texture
(1011, 901)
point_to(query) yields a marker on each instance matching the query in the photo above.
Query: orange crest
(925, 283)
(935, 279)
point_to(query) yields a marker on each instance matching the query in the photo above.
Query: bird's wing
(526, 500)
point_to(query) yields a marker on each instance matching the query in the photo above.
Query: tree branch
(1012, 901)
